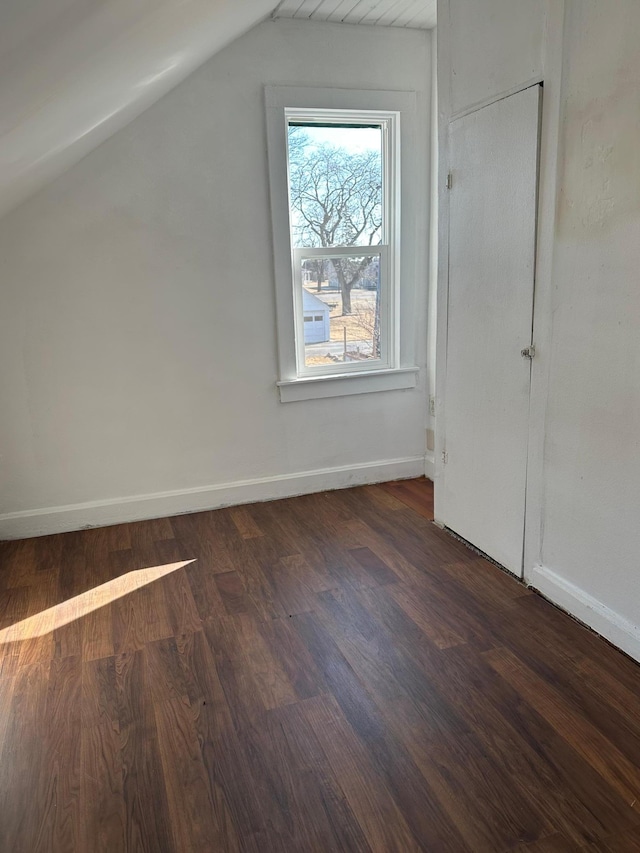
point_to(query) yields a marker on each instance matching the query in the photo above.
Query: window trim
(397, 369)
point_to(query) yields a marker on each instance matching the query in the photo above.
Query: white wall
(591, 506)
(495, 47)
(137, 320)
(583, 497)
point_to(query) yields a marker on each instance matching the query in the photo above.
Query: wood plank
(240, 690)
(534, 648)
(466, 779)
(21, 760)
(181, 606)
(416, 494)
(420, 809)
(58, 789)
(330, 824)
(399, 689)
(147, 822)
(141, 616)
(365, 789)
(19, 566)
(102, 806)
(247, 527)
(198, 819)
(610, 763)
(206, 596)
(6, 697)
(293, 656)
(333, 672)
(375, 567)
(255, 559)
(429, 619)
(37, 643)
(270, 679)
(566, 786)
(210, 556)
(102, 802)
(627, 842)
(552, 844)
(293, 582)
(223, 755)
(232, 592)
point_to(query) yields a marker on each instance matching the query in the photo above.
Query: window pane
(341, 309)
(335, 185)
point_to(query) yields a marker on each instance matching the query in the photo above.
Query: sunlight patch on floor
(80, 605)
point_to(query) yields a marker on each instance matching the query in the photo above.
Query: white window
(335, 172)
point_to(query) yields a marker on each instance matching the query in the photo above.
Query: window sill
(344, 384)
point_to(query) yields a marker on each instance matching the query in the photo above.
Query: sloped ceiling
(420, 14)
(72, 72)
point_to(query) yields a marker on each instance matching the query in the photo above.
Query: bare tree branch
(336, 200)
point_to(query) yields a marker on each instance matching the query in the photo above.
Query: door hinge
(449, 180)
(528, 352)
(445, 457)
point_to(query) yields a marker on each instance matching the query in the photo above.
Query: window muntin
(341, 170)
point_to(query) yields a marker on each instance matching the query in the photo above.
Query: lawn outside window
(335, 159)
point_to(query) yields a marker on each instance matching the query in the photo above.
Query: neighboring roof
(311, 302)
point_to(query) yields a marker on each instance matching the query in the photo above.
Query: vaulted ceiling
(420, 14)
(72, 72)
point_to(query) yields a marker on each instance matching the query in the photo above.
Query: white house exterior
(316, 319)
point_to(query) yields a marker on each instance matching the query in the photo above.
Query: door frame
(549, 153)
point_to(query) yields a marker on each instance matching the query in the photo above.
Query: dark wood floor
(332, 673)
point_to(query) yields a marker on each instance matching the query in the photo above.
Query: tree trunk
(320, 275)
(345, 288)
(346, 299)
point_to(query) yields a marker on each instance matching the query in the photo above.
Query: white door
(492, 228)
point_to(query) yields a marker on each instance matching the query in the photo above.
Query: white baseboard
(429, 466)
(616, 628)
(60, 519)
